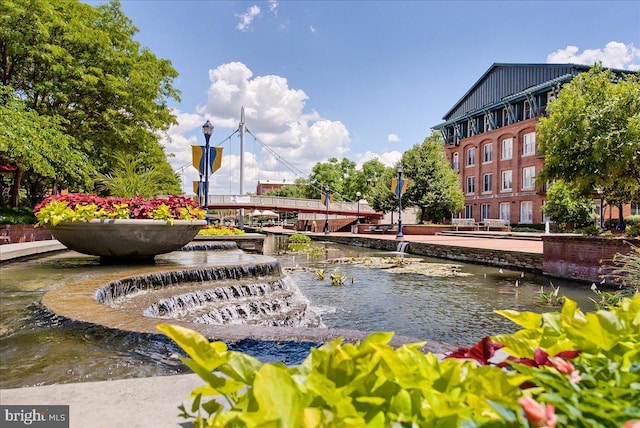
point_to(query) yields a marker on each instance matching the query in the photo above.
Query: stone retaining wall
(507, 259)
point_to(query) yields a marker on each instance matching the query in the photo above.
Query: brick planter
(582, 257)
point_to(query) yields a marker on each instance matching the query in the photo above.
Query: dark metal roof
(501, 81)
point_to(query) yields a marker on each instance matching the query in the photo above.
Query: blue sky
(355, 79)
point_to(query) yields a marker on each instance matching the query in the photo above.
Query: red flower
(482, 351)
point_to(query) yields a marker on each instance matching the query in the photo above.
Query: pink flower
(631, 424)
(538, 416)
(565, 367)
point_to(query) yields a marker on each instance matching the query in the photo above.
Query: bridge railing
(292, 204)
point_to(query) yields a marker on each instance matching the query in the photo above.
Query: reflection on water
(38, 348)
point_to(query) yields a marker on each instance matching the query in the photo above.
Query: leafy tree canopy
(567, 206)
(36, 144)
(591, 137)
(80, 64)
(433, 185)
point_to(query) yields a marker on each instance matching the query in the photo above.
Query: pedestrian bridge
(276, 203)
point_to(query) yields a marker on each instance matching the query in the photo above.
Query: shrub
(220, 230)
(633, 230)
(298, 238)
(81, 207)
(19, 215)
(592, 230)
(559, 367)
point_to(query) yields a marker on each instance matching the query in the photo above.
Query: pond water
(39, 348)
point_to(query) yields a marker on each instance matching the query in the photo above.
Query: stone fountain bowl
(126, 238)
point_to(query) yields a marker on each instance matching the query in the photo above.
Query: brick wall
(26, 233)
(582, 257)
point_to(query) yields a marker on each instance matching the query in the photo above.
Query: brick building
(490, 139)
(266, 185)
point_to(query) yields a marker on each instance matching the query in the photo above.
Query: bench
(383, 229)
(464, 223)
(495, 223)
(379, 229)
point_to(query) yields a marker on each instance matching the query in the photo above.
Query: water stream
(37, 347)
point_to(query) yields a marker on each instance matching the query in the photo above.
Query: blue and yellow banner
(399, 189)
(198, 188)
(326, 200)
(215, 156)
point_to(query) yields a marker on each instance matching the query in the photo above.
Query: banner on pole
(198, 188)
(326, 200)
(199, 161)
(216, 158)
(398, 189)
(197, 153)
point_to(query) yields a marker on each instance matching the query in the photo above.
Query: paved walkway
(153, 402)
(487, 240)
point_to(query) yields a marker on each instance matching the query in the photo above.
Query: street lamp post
(207, 129)
(358, 195)
(399, 235)
(327, 200)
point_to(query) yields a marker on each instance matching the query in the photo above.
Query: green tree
(80, 65)
(591, 137)
(38, 148)
(287, 191)
(566, 205)
(336, 175)
(380, 196)
(433, 185)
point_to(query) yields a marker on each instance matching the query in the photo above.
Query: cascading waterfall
(252, 294)
(402, 247)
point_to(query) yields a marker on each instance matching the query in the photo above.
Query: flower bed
(121, 228)
(81, 207)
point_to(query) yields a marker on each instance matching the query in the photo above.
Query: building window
(505, 117)
(507, 148)
(486, 183)
(528, 113)
(506, 181)
(635, 209)
(505, 211)
(529, 144)
(456, 162)
(471, 156)
(471, 128)
(471, 185)
(526, 212)
(528, 177)
(485, 211)
(487, 122)
(487, 153)
(468, 211)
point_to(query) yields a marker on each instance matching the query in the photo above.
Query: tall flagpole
(242, 130)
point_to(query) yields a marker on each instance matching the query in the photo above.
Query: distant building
(490, 140)
(266, 185)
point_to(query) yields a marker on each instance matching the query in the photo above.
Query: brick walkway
(484, 240)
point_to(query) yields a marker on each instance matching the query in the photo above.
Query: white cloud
(273, 7)
(312, 29)
(246, 19)
(393, 138)
(613, 55)
(387, 158)
(275, 113)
